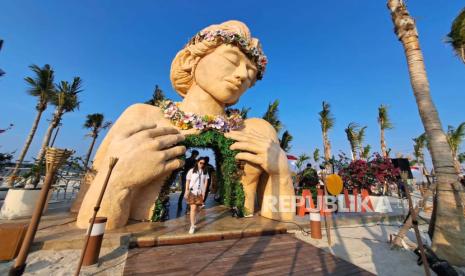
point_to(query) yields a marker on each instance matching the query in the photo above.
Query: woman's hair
(196, 167)
(183, 65)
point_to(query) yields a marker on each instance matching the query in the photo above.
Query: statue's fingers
(174, 164)
(246, 146)
(167, 141)
(153, 133)
(252, 158)
(236, 135)
(257, 135)
(173, 152)
(138, 128)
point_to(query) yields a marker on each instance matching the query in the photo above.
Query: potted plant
(20, 200)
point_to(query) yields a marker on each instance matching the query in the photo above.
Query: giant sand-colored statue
(211, 73)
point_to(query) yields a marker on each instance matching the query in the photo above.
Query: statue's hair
(183, 65)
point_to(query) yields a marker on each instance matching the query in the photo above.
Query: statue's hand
(145, 152)
(260, 150)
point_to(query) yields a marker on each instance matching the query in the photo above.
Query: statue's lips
(233, 85)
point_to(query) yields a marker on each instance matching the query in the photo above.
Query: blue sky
(343, 52)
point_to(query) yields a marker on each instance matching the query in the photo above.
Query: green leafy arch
(228, 173)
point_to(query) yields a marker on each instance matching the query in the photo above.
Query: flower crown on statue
(254, 53)
(187, 120)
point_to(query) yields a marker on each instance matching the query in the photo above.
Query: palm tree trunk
(353, 151)
(20, 160)
(457, 164)
(327, 149)
(55, 137)
(449, 229)
(48, 134)
(45, 142)
(383, 143)
(89, 152)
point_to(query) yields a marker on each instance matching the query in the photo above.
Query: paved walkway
(266, 255)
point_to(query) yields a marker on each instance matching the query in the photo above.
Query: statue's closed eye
(232, 57)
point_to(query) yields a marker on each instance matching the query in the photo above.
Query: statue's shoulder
(141, 110)
(261, 126)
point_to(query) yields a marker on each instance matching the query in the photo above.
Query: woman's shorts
(194, 199)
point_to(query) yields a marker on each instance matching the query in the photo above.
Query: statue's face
(225, 73)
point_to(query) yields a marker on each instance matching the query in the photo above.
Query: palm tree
(456, 37)
(65, 99)
(384, 123)
(300, 161)
(95, 123)
(271, 115)
(448, 236)
(40, 86)
(285, 141)
(355, 135)
(455, 137)
(327, 123)
(157, 97)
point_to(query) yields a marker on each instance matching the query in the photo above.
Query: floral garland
(254, 53)
(188, 120)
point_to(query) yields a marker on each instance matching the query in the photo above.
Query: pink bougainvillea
(362, 174)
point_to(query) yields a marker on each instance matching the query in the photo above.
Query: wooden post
(328, 215)
(54, 159)
(415, 225)
(113, 161)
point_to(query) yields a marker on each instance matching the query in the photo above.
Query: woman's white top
(196, 181)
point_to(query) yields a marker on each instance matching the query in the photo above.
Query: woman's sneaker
(192, 229)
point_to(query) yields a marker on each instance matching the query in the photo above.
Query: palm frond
(157, 97)
(301, 160)
(383, 118)
(65, 97)
(94, 120)
(41, 84)
(271, 115)
(461, 157)
(326, 118)
(456, 36)
(418, 146)
(455, 136)
(316, 155)
(351, 133)
(96, 123)
(366, 152)
(285, 141)
(360, 136)
(245, 112)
